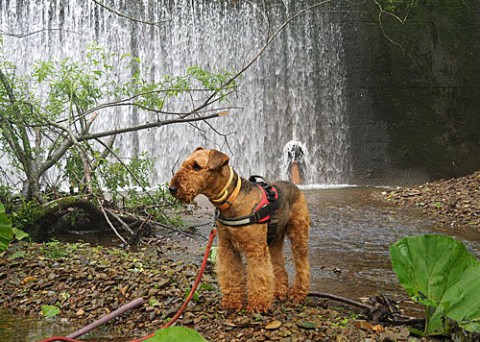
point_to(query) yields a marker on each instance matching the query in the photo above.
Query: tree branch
(89, 136)
(3, 33)
(123, 15)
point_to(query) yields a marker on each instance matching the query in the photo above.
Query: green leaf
(307, 325)
(50, 311)
(6, 233)
(176, 334)
(440, 273)
(19, 234)
(195, 295)
(17, 255)
(153, 302)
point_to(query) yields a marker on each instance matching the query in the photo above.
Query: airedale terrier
(242, 232)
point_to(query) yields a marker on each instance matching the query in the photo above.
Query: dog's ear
(217, 159)
(198, 148)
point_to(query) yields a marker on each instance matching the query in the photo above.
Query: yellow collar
(224, 193)
(228, 203)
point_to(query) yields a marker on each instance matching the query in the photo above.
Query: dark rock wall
(413, 92)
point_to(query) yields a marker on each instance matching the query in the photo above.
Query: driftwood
(56, 216)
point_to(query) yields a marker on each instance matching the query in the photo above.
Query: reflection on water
(16, 329)
(350, 236)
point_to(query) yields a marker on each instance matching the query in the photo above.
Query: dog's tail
(294, 161)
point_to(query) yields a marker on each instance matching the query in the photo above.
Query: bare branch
(105, 214)
(122, 222)
(148, 125)
(3, 33)
(123, 15)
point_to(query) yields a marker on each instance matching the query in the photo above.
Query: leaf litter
(86, 283)
(453, 202)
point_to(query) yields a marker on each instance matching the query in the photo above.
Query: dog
(243, 233)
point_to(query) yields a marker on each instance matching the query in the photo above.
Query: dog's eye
(196, 167)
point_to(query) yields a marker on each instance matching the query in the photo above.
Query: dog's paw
(231, 304)
(258, 307)
(281, 293)
(297, 296)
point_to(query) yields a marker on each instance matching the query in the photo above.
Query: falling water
(294, 92)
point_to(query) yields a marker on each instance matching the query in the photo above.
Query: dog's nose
(173, 190)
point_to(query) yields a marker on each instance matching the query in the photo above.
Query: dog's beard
(185, 197)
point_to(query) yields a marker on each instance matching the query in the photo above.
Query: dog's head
(201, 173)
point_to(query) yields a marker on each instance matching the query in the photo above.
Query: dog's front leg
(230, 272)
(260, 278)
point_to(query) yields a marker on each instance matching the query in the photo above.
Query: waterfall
(294, 92)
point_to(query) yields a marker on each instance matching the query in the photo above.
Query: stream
(350, 235)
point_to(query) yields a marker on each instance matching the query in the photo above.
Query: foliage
(50, 311)
(7, 232)
(174, 334)
(48, 114)
(117, 177)
(47, 119)
(438, 272)
(212, 257)
(55, 249)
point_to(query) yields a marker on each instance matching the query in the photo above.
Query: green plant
(438, 272)
(49, 311)
(55, 249)
(74, 94)
(7, 231)
(176, 334)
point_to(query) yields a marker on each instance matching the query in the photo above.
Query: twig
(35, 32)
(126, 226)
(110, 223)
(123, 15)
(340, 299)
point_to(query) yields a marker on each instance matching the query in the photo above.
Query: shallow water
(350, 235)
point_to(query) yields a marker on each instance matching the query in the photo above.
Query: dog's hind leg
(298, 229)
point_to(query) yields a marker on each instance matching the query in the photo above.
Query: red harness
(265, 202)
(265, 211)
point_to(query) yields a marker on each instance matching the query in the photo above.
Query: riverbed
(350, 235)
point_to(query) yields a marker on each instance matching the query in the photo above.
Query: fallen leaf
(273, 325)
(363, 325)
(307, 325)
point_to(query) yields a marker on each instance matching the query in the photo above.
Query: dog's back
(292, 207)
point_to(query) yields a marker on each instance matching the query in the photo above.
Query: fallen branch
(339, 299)
(105, 214)
(106, 318)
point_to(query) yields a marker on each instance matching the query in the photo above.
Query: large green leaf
(6, 233)
(439, 272)
(176, 334)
